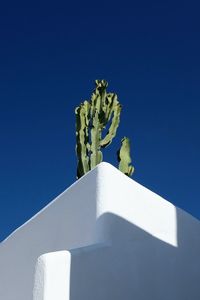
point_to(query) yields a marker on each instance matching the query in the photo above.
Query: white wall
(151, 248)
(52, 276)
(142, 246)
(138, 265)
(67, 222)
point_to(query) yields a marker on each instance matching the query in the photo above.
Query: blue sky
(50, 56)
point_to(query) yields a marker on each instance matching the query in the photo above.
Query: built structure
(104, 238)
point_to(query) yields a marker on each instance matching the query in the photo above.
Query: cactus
(82, 139)
(124, 157)
(91, 120)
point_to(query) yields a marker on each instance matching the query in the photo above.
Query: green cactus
(81, 140)
(124, 157)
(91, 120)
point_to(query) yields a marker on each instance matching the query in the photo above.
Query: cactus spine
(91, 119)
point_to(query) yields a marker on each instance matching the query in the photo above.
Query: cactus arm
(113, 127)
(98, 96)
(98, 100)
(95, 103)
(112, 101)
(87, 124)
(96, 155)
(81, 148)
(124, 157)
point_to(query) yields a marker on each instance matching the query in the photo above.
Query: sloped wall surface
(123, 242)
(67, 222)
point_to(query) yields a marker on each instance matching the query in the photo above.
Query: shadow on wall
(139, 266)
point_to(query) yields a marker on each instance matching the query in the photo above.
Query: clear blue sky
(50, 55)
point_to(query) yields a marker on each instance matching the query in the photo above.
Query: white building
(104, 238)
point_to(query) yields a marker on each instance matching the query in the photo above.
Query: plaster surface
(52, 276)
(123, 241)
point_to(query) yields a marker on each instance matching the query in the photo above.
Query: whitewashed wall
(67, 222)
(123, 242)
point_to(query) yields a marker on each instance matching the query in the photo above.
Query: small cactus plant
(91, 119)
(124, 158)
